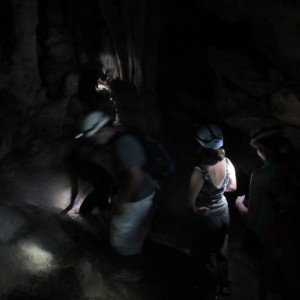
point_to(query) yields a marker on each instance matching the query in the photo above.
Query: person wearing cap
(262, 208)
(212, 176)
(132, 203)
(258, 210)
(88, 168)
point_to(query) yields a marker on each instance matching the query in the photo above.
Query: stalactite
(25, 58)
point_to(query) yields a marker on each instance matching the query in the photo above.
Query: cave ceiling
(233, 62)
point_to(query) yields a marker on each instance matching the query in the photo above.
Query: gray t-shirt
(129, 153)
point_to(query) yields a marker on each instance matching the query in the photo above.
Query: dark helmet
(265, 132)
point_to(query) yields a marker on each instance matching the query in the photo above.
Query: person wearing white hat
(135, 188)
(214, 175)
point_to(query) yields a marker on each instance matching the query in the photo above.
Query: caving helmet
(210, 136)
(92, 123)
(266, 131)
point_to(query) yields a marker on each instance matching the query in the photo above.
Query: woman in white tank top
(214, 175)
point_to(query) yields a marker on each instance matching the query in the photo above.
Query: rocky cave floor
(46, 255)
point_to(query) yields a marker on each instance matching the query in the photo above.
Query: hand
(239, 200)
(204, 211)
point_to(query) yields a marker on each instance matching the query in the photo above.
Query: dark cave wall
(223, 62)
(223, 69)
(48, 45)
(254, 55)
(228, 62)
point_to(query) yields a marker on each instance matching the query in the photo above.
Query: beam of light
(101, 87)
(35, 259)
(62, 197)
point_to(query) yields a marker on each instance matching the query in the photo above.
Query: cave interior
(165, 67)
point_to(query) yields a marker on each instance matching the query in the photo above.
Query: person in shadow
(134, 191)
(263, 207)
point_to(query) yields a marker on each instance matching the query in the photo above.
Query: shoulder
(260, 177)
(261, 172)
(200, 172)
(228, 161)
(199, 169)
(127, 139)
(128, 147)
(129, 152)
(229, 164)
(258, 174)
(197, 174)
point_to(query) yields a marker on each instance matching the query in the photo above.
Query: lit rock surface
(45, 255)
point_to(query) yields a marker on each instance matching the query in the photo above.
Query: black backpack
(159, 162)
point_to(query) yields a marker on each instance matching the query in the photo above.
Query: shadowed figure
(91, 185)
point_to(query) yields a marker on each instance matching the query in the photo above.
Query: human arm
(130, 159)
(232, 183)
(242, 208)
(132, 180)
(195, 185)
(256, 191)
